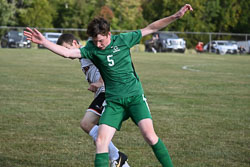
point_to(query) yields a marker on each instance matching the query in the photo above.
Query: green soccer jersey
(115, 65)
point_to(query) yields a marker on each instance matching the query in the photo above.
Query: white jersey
(92, 74)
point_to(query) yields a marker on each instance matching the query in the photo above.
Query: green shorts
(118, 110)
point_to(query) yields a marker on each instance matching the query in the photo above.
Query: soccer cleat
(121, 161)
(125, 164)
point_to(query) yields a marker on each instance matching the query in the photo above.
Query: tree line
(208, 15)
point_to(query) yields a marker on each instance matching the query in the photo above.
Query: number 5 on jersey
(110, 60)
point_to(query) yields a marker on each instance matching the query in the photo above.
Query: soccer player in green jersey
(89, 122)
(124, 93)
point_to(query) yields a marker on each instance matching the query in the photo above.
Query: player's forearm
(55, 48)
(158, 25)
(162, 23)
(62, 51)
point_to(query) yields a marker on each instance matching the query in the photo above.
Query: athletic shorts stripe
(94, 111)
(144, 99)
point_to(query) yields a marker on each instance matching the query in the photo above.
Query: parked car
(222, 47)
(165, 42)
(51, 36)
(14, 39)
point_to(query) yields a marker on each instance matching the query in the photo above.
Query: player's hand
(94, 86)
(34, 35)
(183, 10)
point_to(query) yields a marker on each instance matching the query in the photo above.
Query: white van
(51, 36)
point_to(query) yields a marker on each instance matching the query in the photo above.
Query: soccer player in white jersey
(89, 122)
(111, 54)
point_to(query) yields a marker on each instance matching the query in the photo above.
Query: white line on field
(190, 68)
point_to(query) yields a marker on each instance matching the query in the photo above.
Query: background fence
(191, 38)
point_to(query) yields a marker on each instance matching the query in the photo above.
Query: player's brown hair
(66, 38)
(97, 26)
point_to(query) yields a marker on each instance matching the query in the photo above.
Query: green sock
(161, 154)
(102, 160)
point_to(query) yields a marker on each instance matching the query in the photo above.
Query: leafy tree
(107, 13)
(7, 13)
(39, 13)
(222, 14)
(243, 24)
(127, 14)
(76, 14)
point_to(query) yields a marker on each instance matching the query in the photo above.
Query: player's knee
(151, 138)
(99, 142)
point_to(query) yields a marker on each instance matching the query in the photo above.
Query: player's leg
(160, 150)
(88, 121)
(112, 118)
(147, 130)
(89, 124)
(93, 113)
(105, 134)
(141, 115)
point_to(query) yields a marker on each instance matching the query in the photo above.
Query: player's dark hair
(98, 26)
(66, 38)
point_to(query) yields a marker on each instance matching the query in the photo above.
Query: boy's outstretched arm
(36, 37)
(162, 23)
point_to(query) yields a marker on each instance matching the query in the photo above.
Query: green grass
(202, 113)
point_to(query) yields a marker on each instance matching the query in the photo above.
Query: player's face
(102, 41)
(74, 45)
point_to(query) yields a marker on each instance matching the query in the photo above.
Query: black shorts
(97, 104)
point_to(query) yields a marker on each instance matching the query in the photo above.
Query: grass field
(200, 105)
